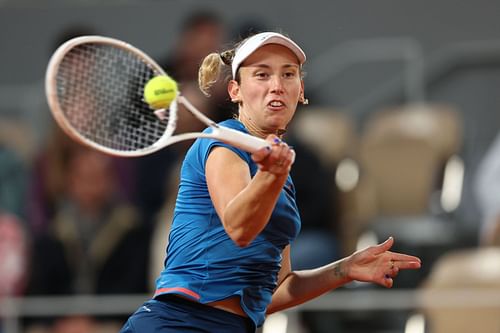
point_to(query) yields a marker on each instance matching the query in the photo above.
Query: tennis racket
(94, 87)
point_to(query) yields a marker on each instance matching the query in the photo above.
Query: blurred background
(401, 137)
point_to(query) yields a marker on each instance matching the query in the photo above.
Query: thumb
(385, 246)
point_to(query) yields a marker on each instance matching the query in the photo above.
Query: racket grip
(240, 140)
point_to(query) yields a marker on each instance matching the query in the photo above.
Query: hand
(379, 265)
(277, 159)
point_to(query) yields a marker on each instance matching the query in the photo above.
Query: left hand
(379, 265)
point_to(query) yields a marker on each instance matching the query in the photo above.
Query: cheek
(255, 89)
(253, 94)
(295, 89)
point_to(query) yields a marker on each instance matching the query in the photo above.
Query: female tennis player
(228, 257)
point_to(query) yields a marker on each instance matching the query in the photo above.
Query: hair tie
(227, 57)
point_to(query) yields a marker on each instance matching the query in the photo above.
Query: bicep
(227, 175)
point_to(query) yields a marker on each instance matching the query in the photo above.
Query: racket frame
(230, 136)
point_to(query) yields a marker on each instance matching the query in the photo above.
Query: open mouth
(276, 104)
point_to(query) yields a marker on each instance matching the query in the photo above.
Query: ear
(301, 92)
(233, 88)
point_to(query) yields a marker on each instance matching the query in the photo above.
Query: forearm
(249, 212)
(374, 264)
(301, 286)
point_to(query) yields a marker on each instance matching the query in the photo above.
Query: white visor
(258, 40)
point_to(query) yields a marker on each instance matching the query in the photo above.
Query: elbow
(239, 237)
(241, 240)
(241, 243)
(241, 230)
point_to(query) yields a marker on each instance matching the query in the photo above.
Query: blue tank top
(202, 262)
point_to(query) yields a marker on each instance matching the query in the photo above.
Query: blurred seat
(494, 240)
(403, 170)
(328, 131)
(438, 124)
(459, 294)
(404, 151)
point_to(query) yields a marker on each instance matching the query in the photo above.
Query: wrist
(341, 270)
(273, 177)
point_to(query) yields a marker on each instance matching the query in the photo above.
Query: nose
(276, 84)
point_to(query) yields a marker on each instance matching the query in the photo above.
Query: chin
(278, 121)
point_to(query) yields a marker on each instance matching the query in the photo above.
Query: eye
(289, 74)
(262, 75)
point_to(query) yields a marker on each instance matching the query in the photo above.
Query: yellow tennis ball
(160, 91)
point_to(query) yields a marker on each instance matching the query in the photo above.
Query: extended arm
(374, 264)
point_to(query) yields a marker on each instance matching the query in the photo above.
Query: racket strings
(100, 91)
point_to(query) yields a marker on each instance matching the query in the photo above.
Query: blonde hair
(211, 67)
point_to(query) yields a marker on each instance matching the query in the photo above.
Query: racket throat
(161, 114)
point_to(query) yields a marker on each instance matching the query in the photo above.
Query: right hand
(277, 159)
(378, 264)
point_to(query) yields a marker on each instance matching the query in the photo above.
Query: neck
(256, 131)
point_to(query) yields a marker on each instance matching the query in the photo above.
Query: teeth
(276, 103)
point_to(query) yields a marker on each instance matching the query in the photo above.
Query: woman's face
(269, 89)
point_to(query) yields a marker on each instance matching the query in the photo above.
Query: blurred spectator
(13, 255)
(201, 32)
(40, 119)
(12, 182)
(13, 238)
(48, 180)
(487, 189)
(45, 181)
(96, 243)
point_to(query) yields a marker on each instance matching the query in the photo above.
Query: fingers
(394, 263)
(412, 264)
(387, 282)
(393, 256)
(277, 159)
(404, 257)
(261, 154)
(398, 262)
(393, 269)
(388, 279)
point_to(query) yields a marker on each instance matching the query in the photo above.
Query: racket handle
(239, 139)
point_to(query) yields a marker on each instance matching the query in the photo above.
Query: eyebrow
(267, 66)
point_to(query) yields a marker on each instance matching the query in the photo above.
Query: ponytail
(210, 69)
